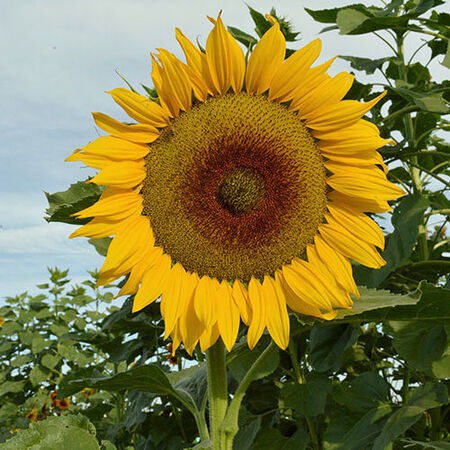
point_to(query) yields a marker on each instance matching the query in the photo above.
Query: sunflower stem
(230, 425)
(217, 391)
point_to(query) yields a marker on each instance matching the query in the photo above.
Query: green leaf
(309, 398)
(262, 396)
(371, 300)
(38, 344)
(446, 61)
(37, 376)
(271, 438)
(149, 378)
(355, 432)
(432, 445)
(262, 24)
(11, 386)
(441, 368)
(328, 344)
(406, 219)
(244, 38)
(21, 360)
(59, 330)
(108, 445)
(422, 398)
(101, 244)
(241, 358)
(69, 431)
(365, 392)
(249, 426)
(330, 15)
(63, 204)
(427, 101)
(192, 382)
(50, 361)
(419, 343)
(366, 64)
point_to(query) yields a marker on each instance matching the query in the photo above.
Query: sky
(58, 57)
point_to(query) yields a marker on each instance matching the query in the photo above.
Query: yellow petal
(277, 316)
(175, 89)
(190, 326)
(361, 159)
(226, 61)
(330, 91)
(140, 108)
(173, 300)
(124, 174)
(265, 60)
(114, 207)
(339, 295)
(362, 204)
(258, 306)
(361, 182)
(205, 300)
(227, 315)
(116, 149)
(359, 131)
(196, 60)
(349, 245)
(209, 337)
(352, 146)
(297, 303)
(137, 272)
(94, 161)
(307, 285)
(342, 114)
(338, 265)
(357, 223)
(129, 245)
(293, 71)
(313, 77)
(98, 228)
(240, 296)
(153, 283)
(141, 133)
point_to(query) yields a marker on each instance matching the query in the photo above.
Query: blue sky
(58, 58)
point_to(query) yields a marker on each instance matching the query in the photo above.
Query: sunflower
(241, 192)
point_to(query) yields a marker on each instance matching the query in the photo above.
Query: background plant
(376, 378)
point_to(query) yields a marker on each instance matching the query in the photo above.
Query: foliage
(377, 377)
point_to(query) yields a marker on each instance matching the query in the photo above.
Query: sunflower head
(241, 193)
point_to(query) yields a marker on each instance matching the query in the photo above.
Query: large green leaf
(374, 303)
(353, 432)
(426, 101)
(328, 344)
(73, 432)
(366, 64)
(271, 438)
(308, 398)
(241, 358)
(419, 343)
(149, 378)
(422, 398)
(63, 204)
(405, 219)
(192, 382)
(365, 392)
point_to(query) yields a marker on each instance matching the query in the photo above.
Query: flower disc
(235, 188)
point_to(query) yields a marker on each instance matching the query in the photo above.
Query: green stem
(415, 171)
(217, 391)
(230, 424)
(301, 380)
